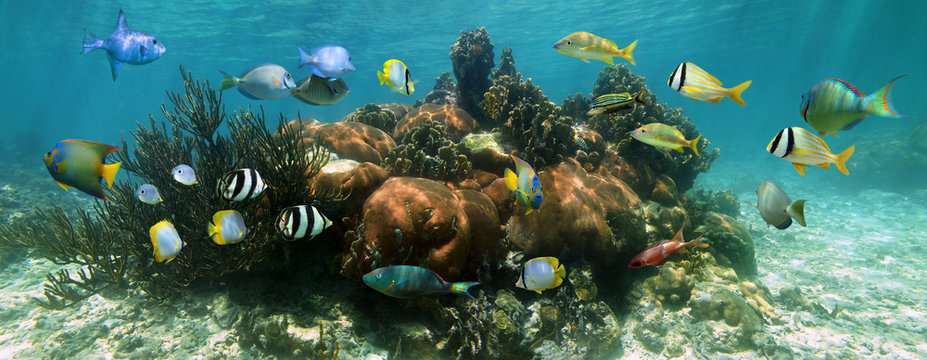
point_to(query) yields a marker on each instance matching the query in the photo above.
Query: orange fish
(655, 254)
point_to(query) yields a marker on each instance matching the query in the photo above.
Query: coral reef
(730, 242)
(506, 66)
(383, 117)
(456, 121)
(575, 106)
(426, 151)
(356, 181)
(443, 93)
(348, 139)
(473, 59)
(703, 201)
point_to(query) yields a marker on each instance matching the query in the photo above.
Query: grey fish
(776, 208)
(317, 90)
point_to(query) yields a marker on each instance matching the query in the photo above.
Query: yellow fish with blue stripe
(694, 83)
(665, 137)
(79, 163)
(524, 182)
(541, 274)
(587, 46)
(801, 147)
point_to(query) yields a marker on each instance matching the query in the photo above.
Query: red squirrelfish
(654, 255)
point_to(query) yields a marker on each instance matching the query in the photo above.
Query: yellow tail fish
(694, 83)
(587, 46)
(665, 137)
(801, 147)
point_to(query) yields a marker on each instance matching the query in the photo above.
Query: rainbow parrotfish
(833, 105)
(79, 163)
(524, 182)
(124, 46)
(406, 281)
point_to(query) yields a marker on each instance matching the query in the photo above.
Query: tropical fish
(540, 274)
(581, 142)
(124, 46)
(610, 103)
(298, 222)
(776, 208)
(315, 90)
(264, 81)
(241, 184)
(406, 281)
(525, 184)
(396, 75)
(148, 194)
(801, 147)
(79, 163)
(586, 46)
(227, 227)
(166, 241)
(184, 174)
(694, 83)
(665, 137)
(654, 255)
(327, 61)
(833, 105)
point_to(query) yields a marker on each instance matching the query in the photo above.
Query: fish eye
(141, 192)
(154, 41)
(379, 276)
(288, 75)
(569, 42)
(636, 263)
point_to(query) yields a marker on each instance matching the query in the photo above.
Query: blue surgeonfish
(694, 83)
(299, 222)
(79, 163)
(241, 184)
(327, 61)
(124, 46)
(540, 274)
(396, 75)
(264, 81)
(165, 240)
(833, 105)
(800, 147)
(524, 182)
(406, 281)
(776, 208)
(148, 194)
(227, 227)
(184, 174)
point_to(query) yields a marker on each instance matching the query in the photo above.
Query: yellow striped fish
(610, 103)
(665, 137)
(694, 83)
(801, 147)
(587, 46)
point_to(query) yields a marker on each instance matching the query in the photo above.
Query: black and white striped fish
(801, 147)
(694, 83)
(299, 222)
(241, 184)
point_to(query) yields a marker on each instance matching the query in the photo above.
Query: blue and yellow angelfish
(525, 184)
(79, 164)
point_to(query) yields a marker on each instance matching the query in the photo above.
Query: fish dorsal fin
(520, 165)
(678, 237)
(852, 88)
(121, 23)
(95, 146)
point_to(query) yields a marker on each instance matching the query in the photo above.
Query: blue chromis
(665, 137)
(184, 174)
(241, 184)
(328, 61)
(694, 83)
(79, 163)
(800, 147)
(611, 103)
(125, 46)
(148, 194)
(227, 227)
(541, 274)
(396, 75)
(776, 208)
(405, 281)
(833, 105)
(299, 222)
(586, 46)
(264, 81)
(165, 240)
(524, 182)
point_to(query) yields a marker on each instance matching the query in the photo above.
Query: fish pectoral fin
(715, 100)
(538, 291)
(114, 66)
(800, 168)
(63, 185)
(142, 50)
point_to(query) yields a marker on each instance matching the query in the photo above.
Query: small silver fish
(184, 174)
(148, 194)
(124, 46)
(776, 208)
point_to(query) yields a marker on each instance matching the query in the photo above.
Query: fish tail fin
(879, 104)
(382, 76)
(736, 91)
(463, 288)
(640, 97)
(797, 211)
(559, 271)
(109, 172)
(91, 42)
(693, 144)
(304, 57)
(842, 159)
(628, 52)
(228, 81)
(511, 180)
(530, 210)
(695, 242)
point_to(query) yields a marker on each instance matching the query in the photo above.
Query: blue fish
(124, 46)
(406, 281)
(331, 61)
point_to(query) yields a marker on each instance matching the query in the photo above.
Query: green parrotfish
(406, 281)
(833, 105)
(79, 164)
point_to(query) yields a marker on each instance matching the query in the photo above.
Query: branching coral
(374, 115)
(506, 65)
(575, 106)
(426, 151)
(472, 57)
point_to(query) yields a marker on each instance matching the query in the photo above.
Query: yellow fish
(165, 240)
(664, 137)
(586, 46)
(800, 147)
(80, 163)
(541, 274)
(396, 75)
(694, 83)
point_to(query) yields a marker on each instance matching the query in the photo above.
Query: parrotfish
(665, 137)
(227, 227)
(694, 83)
(406, 281)
(541, 274)
(165, 240)
(327, 61)
(148, 194)
(524, 182)
(776, 208)
(655, 255)
(241, 184)
(610, 103)
(586, 46)
(184, 174)
(396, 75)
(124, 46)
(315, 90)
(264, 81)
(800, 147)
(298, 222)
(79, 163)
(833, 105)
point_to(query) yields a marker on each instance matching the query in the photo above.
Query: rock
(730, 242)
(664, 191)
(350, 140)
(583, 286)
(501, 196)
(456, 121)
(348, 177)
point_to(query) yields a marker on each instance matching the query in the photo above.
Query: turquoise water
(51, 92)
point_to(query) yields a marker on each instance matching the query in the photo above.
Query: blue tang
(79, 163)
(524, 182)
(330, 61)
(406, 281)
(124, 46)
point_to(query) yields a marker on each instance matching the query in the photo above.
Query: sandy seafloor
(863, 254)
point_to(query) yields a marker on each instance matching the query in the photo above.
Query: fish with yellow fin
(587, 46)
(800, 147)
(227, 227)
(165, 240)
(665, 137)
(80, 164)
(524, 182)
(541, 274)
(692, 82)
(833, 105)
(611, 103)
(396, 75)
